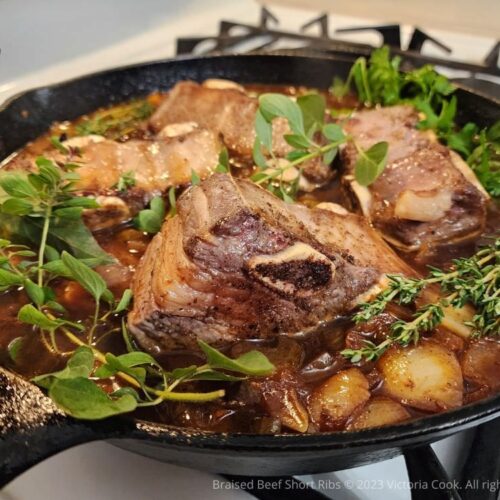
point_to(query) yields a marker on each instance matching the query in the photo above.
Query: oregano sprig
(77, 389)
(310, 138)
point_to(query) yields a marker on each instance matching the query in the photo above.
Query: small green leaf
(48, 173)
(329, 156)
(258, 157)
(16, 206)
(148, 221)
(223, 165)
(55, 141)
(172, 202)
(151, 219)
(80, 364)
(8, 278)
(81, 201)
(313, 111)
(35, 292)
(82, 398)
(17, 185)
(55, 306)
(371, 163)
(195, 178)
(124, 301)
(333, 132)
(25, 253)
(126, 181)
(70, 234)
(58, 268)
(184, 372)
(263, 131)
(14, 347)
(463, 140)
(250, 363)
(276, 105)
(85, 276)
(129, 363)
(51, 253)
(69, 212)
(297, 141)
(31, 315)
(296, 155)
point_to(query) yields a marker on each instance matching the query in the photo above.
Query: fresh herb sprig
(77, 388)
(378, 80)
(310, 138)
(116, 122)
(484, 157)
(474, 280)
(42, 208)
(125, 182)
(151, 219)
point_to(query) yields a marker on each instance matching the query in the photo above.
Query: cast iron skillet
(31, 428)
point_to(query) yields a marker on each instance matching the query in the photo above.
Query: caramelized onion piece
(379, 411)
(426, 376)
(279, 396)
(336, 399)
(481, 363)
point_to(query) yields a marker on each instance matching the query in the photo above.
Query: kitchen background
(47, 41)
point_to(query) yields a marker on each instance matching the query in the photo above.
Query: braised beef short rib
(239, 263)
(230, 111)
(427, 195)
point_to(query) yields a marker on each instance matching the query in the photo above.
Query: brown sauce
(304, 363)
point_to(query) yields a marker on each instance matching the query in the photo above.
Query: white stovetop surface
(53, 40)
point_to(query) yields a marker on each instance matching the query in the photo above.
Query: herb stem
(313, 154)
(196, 397)
(43, 243)
(167, 394)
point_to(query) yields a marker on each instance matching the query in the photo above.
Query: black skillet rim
(396, 435)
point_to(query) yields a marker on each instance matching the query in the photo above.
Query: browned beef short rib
(238, 263)
(426, 195)
(230, 112)
(155, 165)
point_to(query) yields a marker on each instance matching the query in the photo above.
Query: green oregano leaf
(278, 105)
(250, 363)
(84, 399)
(124, 301)
(313, 111)
(150, 220)
(371, 163)
(85, 276)
(80, 364)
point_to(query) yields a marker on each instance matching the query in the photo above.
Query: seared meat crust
(426, 195)
(238, 263)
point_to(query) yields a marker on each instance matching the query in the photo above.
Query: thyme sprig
(474, 280)
(116, 122)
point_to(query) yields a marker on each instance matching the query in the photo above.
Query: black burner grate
(236, 36)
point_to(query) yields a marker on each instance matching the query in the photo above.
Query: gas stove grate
(236, 37)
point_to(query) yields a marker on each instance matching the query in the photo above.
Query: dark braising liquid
(303, 362)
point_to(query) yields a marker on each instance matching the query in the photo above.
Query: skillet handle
(33, 429)
(424, 471)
